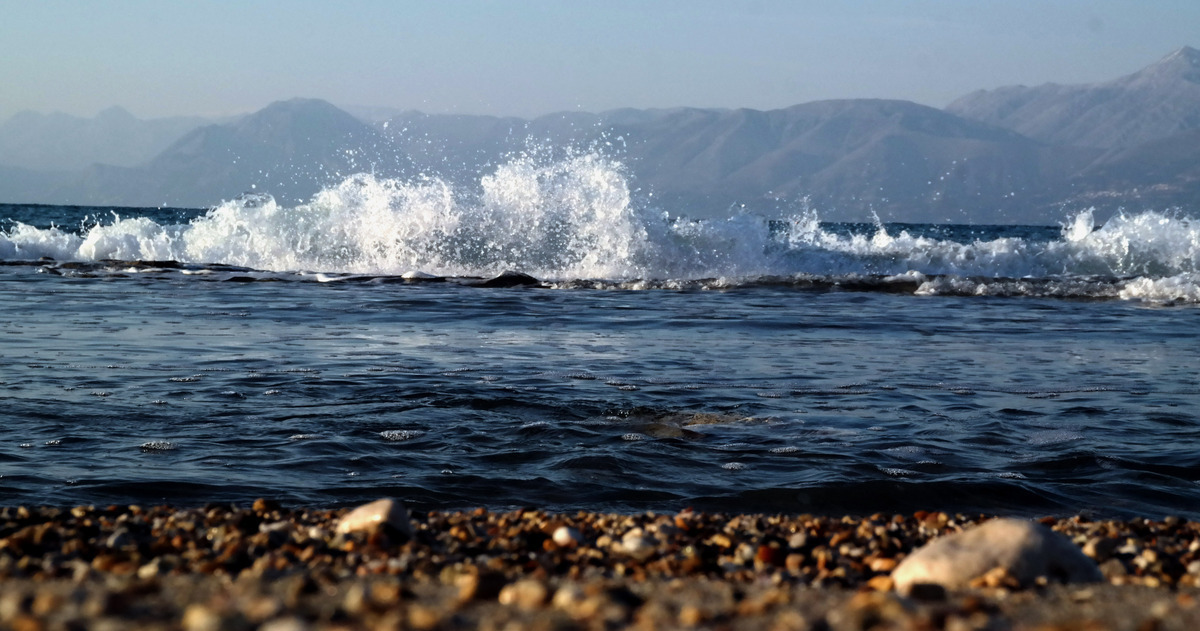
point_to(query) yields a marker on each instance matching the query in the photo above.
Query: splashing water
(575, 218)
(571, 218)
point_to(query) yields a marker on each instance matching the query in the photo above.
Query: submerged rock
(673, 424)
(511, 279)
(1019, 550)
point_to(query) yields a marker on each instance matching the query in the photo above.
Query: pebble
(567, 537)
(527, 594)
(637, 544)
(1022, 550)
(378, 513)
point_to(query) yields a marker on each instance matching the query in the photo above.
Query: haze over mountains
(1009, 155)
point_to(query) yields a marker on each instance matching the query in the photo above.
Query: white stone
(1024, 549)
(636, 544)
(567, 537)
(380, 512)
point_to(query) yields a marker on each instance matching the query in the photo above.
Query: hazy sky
(159, 58)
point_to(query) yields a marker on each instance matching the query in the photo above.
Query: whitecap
(303, 436)
(397, 435)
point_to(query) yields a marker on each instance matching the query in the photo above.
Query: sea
(552, 338)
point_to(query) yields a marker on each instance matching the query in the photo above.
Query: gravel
(269, 567)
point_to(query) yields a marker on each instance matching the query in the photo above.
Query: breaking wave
(575, 219)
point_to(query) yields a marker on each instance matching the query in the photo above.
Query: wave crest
(575, 218)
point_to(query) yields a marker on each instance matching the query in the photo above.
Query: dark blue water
(187, 384)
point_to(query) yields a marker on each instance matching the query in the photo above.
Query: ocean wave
(574, 221)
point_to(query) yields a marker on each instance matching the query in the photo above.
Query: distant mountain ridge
(1010, 155)
(289, 148)
(60, 142)
(1160, 100)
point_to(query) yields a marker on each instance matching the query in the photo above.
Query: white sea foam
(399, 435)
(1178, 288)
(575, 218)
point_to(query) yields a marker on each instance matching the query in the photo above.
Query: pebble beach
(267, 566)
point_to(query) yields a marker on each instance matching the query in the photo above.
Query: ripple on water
(1054, 437)
(912, 453)
(897, 472)
(157, 445)
(1004, 475)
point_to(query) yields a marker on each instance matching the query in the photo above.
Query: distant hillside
(900, 159)
(59, 142)
(1160, 100)
(28, 186)
(852, 157)
(289, 149)
(1154, 174)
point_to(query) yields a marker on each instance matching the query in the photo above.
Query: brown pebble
(45, 603)
(872, 610)
(882, 564)
(476, 585)
(881, 583)
(528, 594)
(26, 623)
(794, 563)
(691, 616)
(422, 617)
(200, 618)
(994, 578)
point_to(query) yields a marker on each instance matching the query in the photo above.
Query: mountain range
(1010, 155)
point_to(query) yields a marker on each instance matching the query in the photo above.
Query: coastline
(271, 567)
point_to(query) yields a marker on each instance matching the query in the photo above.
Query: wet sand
(269, 567)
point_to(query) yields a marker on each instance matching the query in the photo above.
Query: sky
(526, 58)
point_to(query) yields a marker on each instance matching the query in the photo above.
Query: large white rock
(380, 512)
(1024, 549)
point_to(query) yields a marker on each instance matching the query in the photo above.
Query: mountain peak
(299, 104)
(1182, 64)
(315, 115)
(115, 113)
(1186, 52)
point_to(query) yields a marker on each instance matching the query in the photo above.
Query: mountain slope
(897, 158)
(289, 149)
(1156, 174)
(58, 142)
(1160, 100)
(855, 156)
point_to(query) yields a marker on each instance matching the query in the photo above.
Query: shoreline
(272, 567)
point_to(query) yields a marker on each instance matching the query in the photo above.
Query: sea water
(348, 348)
